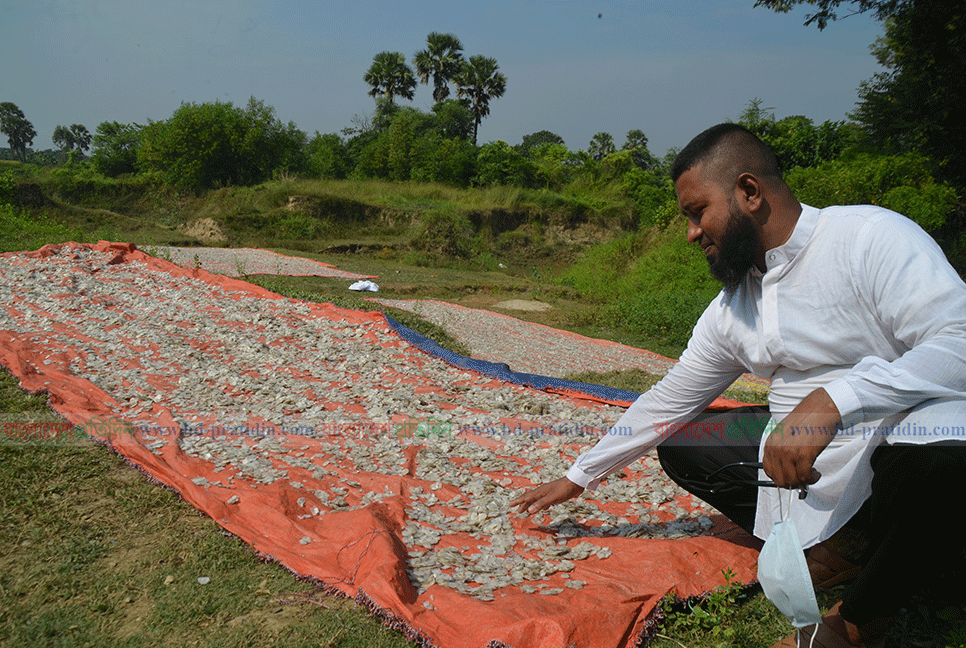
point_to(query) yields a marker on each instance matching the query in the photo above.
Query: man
(859, 322)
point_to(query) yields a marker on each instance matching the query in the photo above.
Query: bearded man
(859, 322)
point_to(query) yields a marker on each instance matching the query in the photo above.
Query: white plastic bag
(364, 285)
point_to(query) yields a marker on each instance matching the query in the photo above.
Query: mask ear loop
(781, 515)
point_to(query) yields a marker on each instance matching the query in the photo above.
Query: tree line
(891, 151)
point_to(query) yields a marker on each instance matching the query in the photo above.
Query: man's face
(727, 235)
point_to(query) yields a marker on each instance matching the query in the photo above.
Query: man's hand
(793, 446)
(547, 495)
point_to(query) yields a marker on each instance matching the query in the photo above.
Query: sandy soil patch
(523, 305)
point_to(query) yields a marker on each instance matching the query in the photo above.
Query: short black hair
(734, 149)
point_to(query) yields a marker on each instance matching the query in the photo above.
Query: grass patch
(729, 615)
(640, 381)
(20, 231)
(636, 380)
(93, 554)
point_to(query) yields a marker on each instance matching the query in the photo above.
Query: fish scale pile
(221, 360)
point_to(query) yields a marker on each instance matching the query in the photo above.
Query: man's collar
(789, 249)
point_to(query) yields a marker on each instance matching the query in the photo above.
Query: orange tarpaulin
(325, 441)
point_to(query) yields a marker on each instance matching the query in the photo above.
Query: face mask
(784, 576)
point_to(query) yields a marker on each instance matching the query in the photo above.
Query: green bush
(667, 316)
(6, 187)
(327, 157)
(418, 146)
(451, 161)
(391, 155)
(116, 148)
(498, 163)
(19, 232)
(596, 273)
(928, 204)
(443, 232)
(903, 183)
(212, 144)
(652, 282)
(81, 184)
(300, 226)
(554, 166)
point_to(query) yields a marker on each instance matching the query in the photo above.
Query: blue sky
(668, 67)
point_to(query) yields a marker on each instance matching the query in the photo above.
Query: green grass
(95, 555)
(651, 282)
(639, 380)
(19, 231)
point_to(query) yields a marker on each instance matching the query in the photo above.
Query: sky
(670, 68)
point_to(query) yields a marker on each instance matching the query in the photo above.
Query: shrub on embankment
(20, 230)
(651, 282)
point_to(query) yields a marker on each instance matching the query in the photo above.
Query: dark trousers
(908, 520)
(710, 442)
(914, 538)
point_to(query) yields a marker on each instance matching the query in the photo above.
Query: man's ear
(748, 191)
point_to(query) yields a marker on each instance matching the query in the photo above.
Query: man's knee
(926, 465)
(675, 461)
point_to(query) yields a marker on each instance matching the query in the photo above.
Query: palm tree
(601, 145)
(479, 81)
(389, 76)
(441, 60)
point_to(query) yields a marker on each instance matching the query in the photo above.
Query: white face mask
(784, 576)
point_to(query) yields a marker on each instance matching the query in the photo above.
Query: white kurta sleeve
(704, 371)
(920, 302)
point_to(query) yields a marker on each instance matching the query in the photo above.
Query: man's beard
(735, 252)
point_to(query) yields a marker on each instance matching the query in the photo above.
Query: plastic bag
(364, 285)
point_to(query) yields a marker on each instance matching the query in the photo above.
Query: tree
(903, 183)
(533, 140)
(636, 143)
(76, 137)
(827, 8)
(116, 148)
(211, 144)
(601, 145)
(555, 166)
(915, 104)
(267, 145)
(20, 132)
(441, 60)
(480, 80)
(327, 156)
(498, 163)
(454, 119)
(62, 138)
(390, 77)
(795, 140)
(82, 138)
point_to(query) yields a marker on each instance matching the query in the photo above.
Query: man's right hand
(547, 495)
